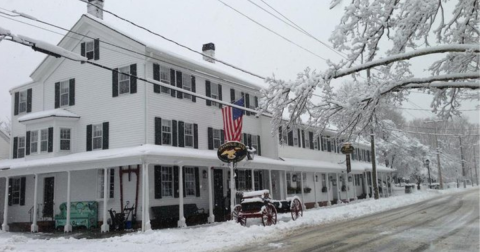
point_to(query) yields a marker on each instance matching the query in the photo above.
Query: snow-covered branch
(446, 84)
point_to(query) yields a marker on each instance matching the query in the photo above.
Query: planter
(324, 189)
(307, 190)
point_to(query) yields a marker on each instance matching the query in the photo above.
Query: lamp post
(438, 153)
(427, 163)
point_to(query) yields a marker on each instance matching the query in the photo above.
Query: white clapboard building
(85, 134)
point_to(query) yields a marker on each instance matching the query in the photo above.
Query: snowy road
(446, 223)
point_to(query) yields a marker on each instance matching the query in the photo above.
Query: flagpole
(232, 188)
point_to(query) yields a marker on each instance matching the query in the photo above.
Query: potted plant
(307, 189)
(344, 188)
(324, 189)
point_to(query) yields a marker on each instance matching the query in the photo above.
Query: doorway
(48, 197)
(219, 208)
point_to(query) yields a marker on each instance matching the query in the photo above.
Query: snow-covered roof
(160, 155)
(171, 50)
(357, 167)
(48, 113)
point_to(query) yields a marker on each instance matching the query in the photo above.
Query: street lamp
(427, 163)
(438, 153)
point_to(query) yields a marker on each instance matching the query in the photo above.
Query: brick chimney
(209, 49)
(95, 8)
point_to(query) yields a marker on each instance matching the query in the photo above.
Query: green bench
(170, 213)
(82, 214)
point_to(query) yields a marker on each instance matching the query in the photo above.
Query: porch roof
(158, 154)
(48, 113)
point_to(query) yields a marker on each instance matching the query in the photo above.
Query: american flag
(232, 122)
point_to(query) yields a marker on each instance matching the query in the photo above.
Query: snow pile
(216, 236)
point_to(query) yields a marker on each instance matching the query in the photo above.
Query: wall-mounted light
(204, 174)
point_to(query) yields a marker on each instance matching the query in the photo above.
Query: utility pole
(372, 148)
(464, 172)
(475, 161)
(438, 154)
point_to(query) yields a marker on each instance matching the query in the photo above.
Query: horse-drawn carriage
(257, 204)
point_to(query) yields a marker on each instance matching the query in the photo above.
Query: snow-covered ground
(218, 236)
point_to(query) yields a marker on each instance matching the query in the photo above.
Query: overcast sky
(238, 40)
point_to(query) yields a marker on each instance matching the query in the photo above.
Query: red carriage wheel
(269, 215)
(296, 209)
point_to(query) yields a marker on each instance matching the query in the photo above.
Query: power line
(430, 110)
(172, 41)
(268, 29)
(296, 27)
(111, 44)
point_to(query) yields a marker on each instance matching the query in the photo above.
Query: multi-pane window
(89, 49)
(16, 191)
(188, 135)
(190, 186)
(255, 143)
(214, 93)
(101, 183)
(295, 138)
(307, 140)
(44, 140)
(34, 141)
(64, 93)
(315, 144)
(187, 85)
(167, 181)
(21, 147)
(217, 138)
(165, 78)
(166, 132)
(256, 181)
(65, 139)
(242, 180)
(22, 102)
(285, 137)
(123, 80)
(97, 139)
(324, 143)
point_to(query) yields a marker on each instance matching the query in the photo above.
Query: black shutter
(290, 138)
(9, 191)
(181, 134)
(329, 145)
(29, 100)
(71, 92)
(210, 138)
(259, 151)
(96, 44)
(175, 181)
(158, 181)
(220, 95)
(174, 133)
(236, 178)
(194, 89)
(158, 131)
(280, 140)
(247, 103)
(321, 143)
(89, 137)
(222, 136)
(183, 182)
(57, 94)
(15, 146)
(244, 103)
(15, 111)
(249, 140)
(232, 95)
(50, 139)
(172, 82)
(156, 76)
(105, 135)
(27, 144)
(133, 78)
(303, 138)
(256, 102)
(195, 136)
(112, 183)
(197, 182)
(179, 85)
(82, 49)
(245, 139)
(23, 181)
(299, 140)
(208, 92)
(115, 82)
(248, 177)
(310, 138)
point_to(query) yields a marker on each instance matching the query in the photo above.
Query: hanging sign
(347, 148)
(232, 152)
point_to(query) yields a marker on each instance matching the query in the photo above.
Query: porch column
(34, 226)
(253, 180)
(329, 203)
(270, 183)
(68, 226)
(303, 195)
(181, 221)
(355, 187)
(365, 185)
(5, 207)
(105, 226)
(347, 186)
(338, 189)
(144, 188)
(211, 217)
(285, 184)
(146, 196)
(315, 189)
